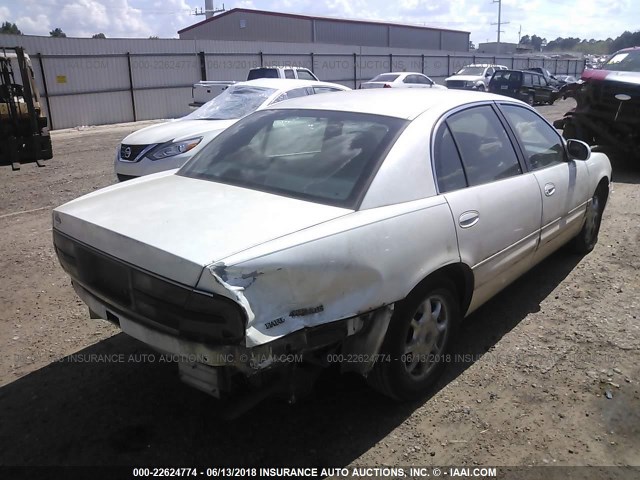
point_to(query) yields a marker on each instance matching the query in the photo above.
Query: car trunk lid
(173, 226)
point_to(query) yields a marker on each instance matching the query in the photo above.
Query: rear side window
(527, 80)
(262, 73)
(484, 146)
(289, 74)
(510, 78)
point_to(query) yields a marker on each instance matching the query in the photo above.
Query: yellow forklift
(24, 136)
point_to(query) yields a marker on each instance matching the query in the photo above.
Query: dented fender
(342, 269)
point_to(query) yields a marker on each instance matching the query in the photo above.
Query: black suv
(529, 86)
(551, 80)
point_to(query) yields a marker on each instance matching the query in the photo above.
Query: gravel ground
(541, 360)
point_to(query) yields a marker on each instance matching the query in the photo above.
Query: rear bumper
(127, 291)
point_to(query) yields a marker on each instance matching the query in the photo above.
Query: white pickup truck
(205, 90)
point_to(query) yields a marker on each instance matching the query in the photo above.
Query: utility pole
(519, 32)
(209, 11)
(500, 23)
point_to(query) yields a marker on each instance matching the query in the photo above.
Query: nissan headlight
(171, 149)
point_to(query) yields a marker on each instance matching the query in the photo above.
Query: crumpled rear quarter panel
(336, 270)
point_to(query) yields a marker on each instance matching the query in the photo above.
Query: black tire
(552, 100)
(586, 240)
(416, 335)
(531, 99)
(481, 88)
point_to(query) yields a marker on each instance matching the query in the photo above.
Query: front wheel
(586, 240)
(418, 338)
(481, 88)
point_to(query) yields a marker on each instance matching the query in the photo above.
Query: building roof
(314, 17)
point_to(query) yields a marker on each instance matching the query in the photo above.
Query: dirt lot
(542, 358)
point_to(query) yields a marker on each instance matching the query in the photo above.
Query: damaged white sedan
(356, 228)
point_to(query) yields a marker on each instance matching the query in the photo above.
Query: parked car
(400, 80)
(528, 86)
(607, 113)
(473, 77)
(568, 84)
(548, 76)
(169, 145)
(207, 90)
(353, 228)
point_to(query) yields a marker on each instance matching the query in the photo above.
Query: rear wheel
(530, 99)
(418, 338)
(586, 240)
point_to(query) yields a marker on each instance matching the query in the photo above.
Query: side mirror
(578, 150)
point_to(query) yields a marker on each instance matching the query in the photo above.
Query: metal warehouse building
(240, 24)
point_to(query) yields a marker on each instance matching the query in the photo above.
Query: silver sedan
(356, 228)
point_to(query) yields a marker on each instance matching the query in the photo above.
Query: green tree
(536, 42)
(8, 27)
(99, 35)
(57, 32)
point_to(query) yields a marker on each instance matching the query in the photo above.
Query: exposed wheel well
(603, 185)
(461, 276)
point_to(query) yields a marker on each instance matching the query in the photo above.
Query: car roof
(629, 49)
(406, 103)
(287, 83)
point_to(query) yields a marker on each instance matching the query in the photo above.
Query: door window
(541, 143)
(484, 146)
(289, 74)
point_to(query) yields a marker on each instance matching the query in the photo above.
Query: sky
(598, 19)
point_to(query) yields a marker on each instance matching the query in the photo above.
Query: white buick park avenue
(355, 225)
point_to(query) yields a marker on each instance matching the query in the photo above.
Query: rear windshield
(624, 62)
(506, 77)
(322, 156)
(385, 77)
(235, 102)
(263, 73)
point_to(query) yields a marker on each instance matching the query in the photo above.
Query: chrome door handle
(549, 189)
(468, 219)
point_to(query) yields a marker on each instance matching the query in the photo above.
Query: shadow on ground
(101, 413)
